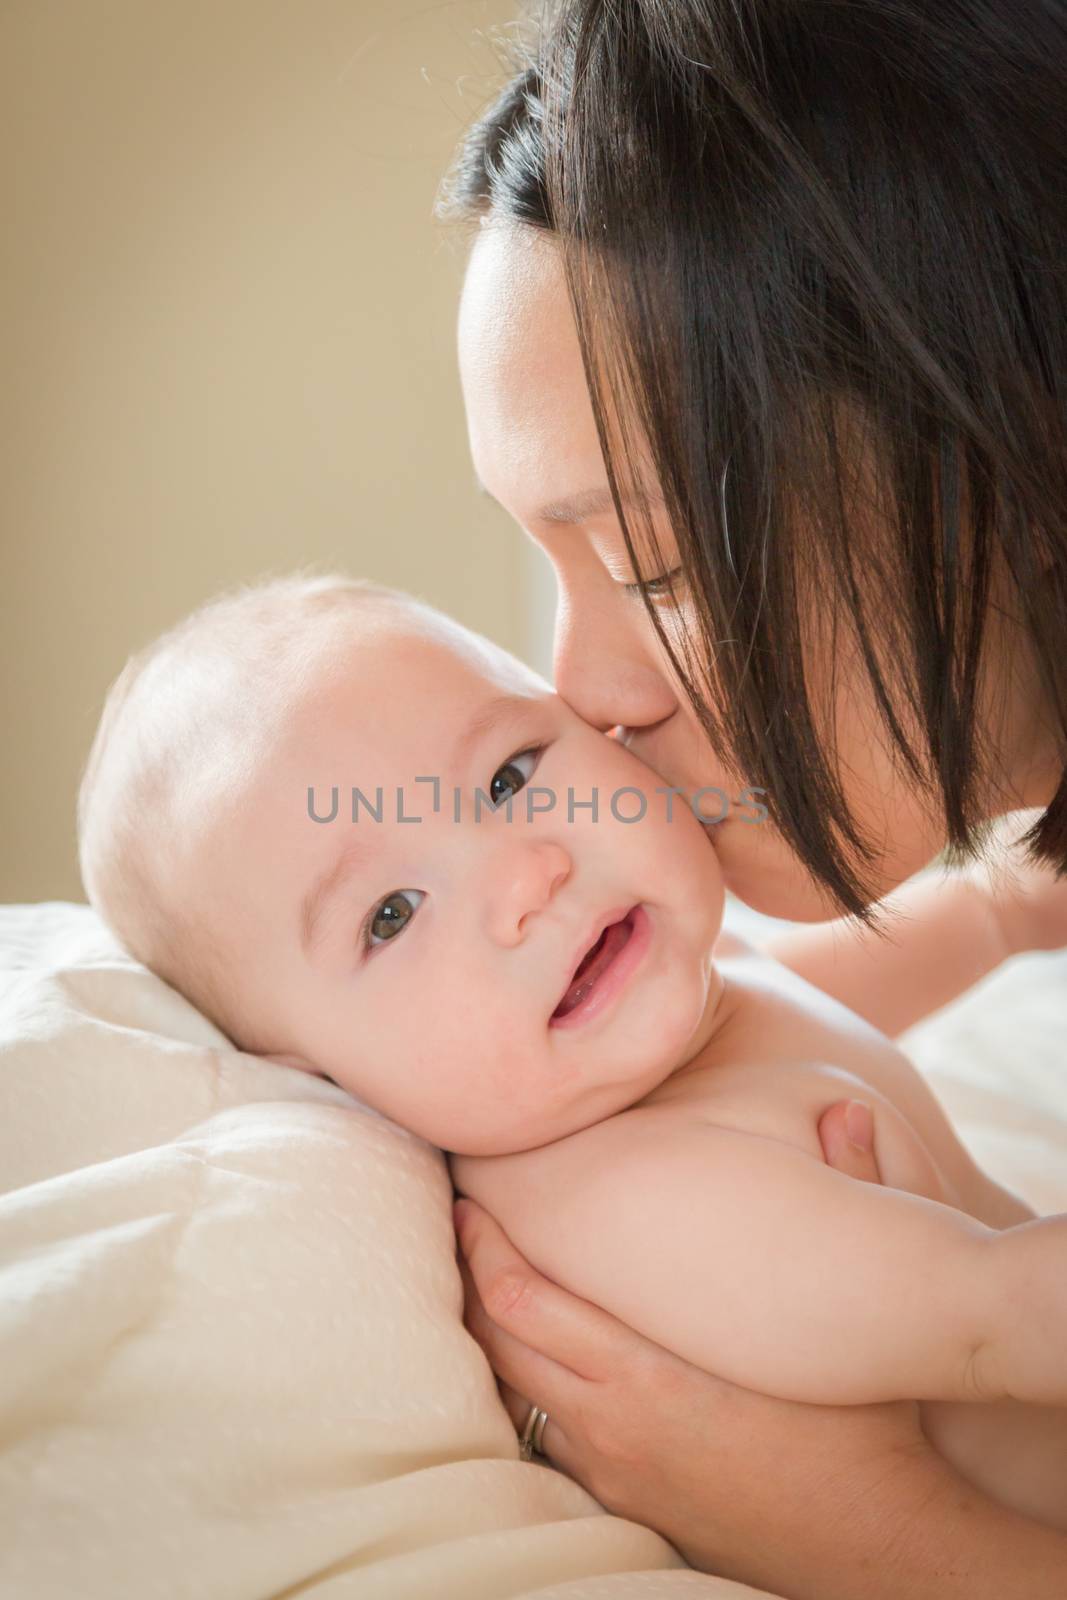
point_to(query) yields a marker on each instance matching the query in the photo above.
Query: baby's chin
(514, 1138)
(586, 1111)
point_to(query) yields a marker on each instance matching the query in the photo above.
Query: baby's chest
(782, 1100)
(784, 1058)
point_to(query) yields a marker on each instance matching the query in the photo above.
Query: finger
(522, 1372)
(846, 1131)
(554, 1443)
(525, 1370)
(516, 1405)
(535, 1311)
(518, 1409)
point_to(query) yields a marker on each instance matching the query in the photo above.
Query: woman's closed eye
(667, 586)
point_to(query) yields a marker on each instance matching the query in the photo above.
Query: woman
(761, 342)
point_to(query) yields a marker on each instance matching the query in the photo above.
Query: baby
(375, 846)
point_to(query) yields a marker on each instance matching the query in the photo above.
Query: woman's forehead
(533, 435)
(520, 361)
(513, 291)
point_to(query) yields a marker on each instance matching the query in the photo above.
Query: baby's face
(428, 966)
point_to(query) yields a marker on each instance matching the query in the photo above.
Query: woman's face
(536, 450)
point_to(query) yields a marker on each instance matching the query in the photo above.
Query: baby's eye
(512, 776)
(391, 915)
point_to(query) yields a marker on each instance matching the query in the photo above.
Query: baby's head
(424, 965)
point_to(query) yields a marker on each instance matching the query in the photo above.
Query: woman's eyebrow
(594, 503)
(577, 508)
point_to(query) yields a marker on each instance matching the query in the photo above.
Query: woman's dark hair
(816, 254)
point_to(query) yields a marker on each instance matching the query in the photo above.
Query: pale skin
(664, 1132)
(762, 1489)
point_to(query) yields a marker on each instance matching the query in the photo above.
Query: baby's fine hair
(174, 725)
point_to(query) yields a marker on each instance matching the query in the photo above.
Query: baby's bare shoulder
(534, 1178)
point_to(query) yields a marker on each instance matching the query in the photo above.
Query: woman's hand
(810, 1502)
(762, 1490)
(707, 1464)
(846, 1133)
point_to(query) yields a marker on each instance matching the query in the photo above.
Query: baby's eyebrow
(351, 859)
(497, 712)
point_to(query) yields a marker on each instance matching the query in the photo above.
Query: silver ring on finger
(533, 1432)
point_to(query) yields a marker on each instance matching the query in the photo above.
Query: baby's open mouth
(595, 964)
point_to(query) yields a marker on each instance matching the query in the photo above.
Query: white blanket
(232, 1361)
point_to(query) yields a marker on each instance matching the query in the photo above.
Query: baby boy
(369, 843)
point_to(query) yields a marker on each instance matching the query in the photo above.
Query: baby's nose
(524, 878)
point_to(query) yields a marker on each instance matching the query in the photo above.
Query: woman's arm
(893, 1523)
(945, 934)
(810, 1502)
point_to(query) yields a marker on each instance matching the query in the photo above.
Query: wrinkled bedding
(232, 1360)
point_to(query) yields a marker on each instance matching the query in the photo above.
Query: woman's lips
(605, 970)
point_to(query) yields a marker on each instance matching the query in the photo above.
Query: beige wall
(227, 333)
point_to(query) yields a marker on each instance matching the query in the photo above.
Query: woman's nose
(606, 673)
(524, 878)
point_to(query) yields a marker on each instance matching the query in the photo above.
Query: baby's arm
(1026, 1358)
(762, 1265)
